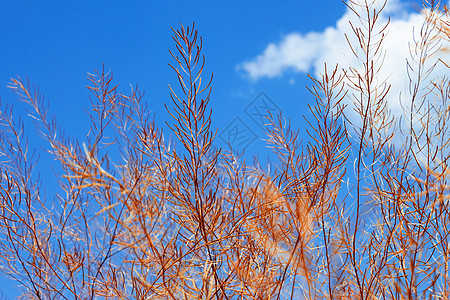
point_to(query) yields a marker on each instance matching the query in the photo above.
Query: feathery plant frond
(358, 210)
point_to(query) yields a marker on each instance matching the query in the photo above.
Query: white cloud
(294, 51)
(308, 52)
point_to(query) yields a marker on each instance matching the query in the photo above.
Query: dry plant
(359, 212)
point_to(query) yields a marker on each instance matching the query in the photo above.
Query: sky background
(259, 51)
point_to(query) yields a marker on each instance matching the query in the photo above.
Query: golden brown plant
(361, 211)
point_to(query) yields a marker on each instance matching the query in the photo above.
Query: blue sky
(55, 44)
(250, 46)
